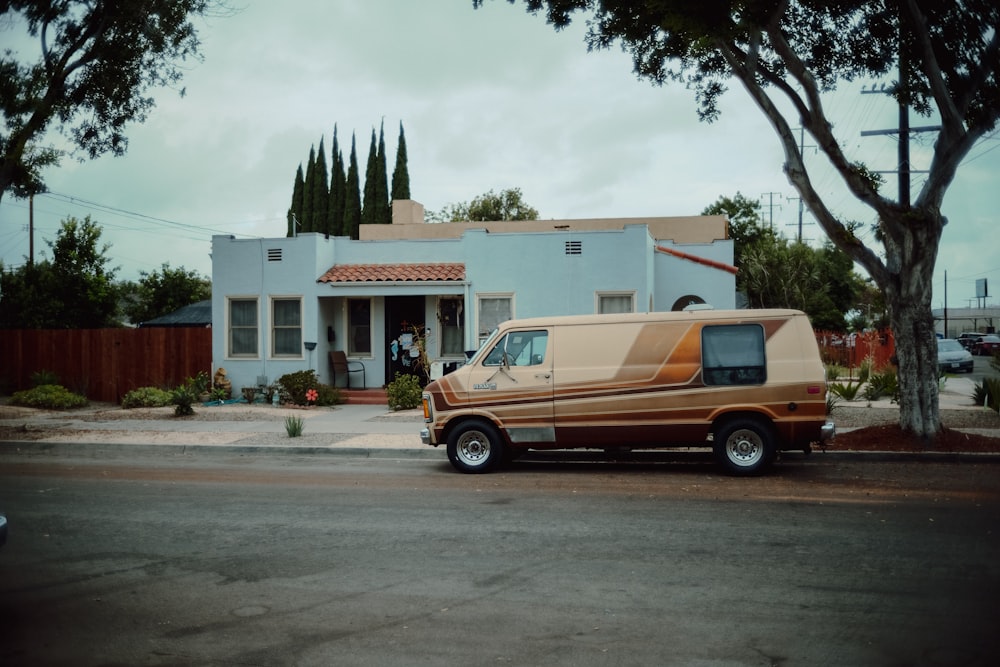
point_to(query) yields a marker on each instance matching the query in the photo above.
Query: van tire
(744, 446)
(475, 447)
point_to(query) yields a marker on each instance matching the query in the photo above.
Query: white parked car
(953, 357)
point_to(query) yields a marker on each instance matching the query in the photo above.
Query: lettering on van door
(488, 386)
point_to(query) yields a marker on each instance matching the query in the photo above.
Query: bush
(845, 390)
(882, 384)
(293, 387)
(146, 397)
(404, 392)
(40, 378)
(987, 393)
(49, 397)
(835, 371)
(294, 426)
(183, 398)
(327, 395)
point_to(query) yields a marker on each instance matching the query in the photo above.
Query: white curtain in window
(243, 326)
(493, 311)
(615, 303)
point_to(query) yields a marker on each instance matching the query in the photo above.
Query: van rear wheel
(744, 446)
(475, 447)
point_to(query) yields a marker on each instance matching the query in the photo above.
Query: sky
(489, 99)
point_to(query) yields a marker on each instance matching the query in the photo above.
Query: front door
(404, 321)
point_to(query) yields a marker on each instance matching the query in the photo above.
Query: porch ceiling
(382, 273)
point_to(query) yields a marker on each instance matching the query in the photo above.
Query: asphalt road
(250, 560)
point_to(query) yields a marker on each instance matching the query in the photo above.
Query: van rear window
(733, 354)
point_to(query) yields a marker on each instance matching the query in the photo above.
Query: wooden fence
(104, 364)
(849, 350)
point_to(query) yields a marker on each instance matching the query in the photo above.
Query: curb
(117, 450)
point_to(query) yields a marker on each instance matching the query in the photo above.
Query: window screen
(733, 354)
(359, 325)
(492, 311)
(243, 327)
(286, 321)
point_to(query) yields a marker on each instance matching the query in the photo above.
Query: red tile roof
(376, 273)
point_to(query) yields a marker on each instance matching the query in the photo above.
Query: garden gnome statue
(220, 381)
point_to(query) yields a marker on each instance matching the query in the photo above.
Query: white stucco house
(281, 305)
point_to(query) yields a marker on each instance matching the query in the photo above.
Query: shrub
(327, 395)
(845, 390)
(987, 393)
(146, 397)
(835, 371)
(183, 397)
(404, 392)
(199, 384)
(40, 378)
(882, 384)
(295, 385)
(294, 426)
(49, 397)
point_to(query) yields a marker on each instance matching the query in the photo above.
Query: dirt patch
(877, 429)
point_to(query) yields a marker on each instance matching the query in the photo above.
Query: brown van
(747, 383)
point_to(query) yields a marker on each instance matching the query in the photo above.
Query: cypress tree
(307, 196)
(338, 188)
(352, 196)
(321, 195)
(368, 202)
(400, 175)
(295, 210)
(382, 215)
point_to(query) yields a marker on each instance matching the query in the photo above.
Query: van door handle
(543, 376)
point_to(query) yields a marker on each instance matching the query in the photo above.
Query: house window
(494, 309)
(451, 321)
(616, 302)
(286, 327)
(243, 327)
(733, 354)
(359, 327)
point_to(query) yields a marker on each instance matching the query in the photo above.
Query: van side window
(522, 348)
(733, 354)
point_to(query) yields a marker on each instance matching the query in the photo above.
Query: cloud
(489, 99)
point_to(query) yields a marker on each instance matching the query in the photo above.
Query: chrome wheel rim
(744, 447)
(473, 448)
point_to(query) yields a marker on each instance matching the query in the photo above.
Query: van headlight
(428, 410)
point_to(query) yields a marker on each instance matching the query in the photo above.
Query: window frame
(482, 335)
(600, 295)
(351, 350)
(459, 326)
(230, 353)
(734, 374)
(299, 353)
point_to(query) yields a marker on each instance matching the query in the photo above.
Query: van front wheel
(744, 446)
(475, 447)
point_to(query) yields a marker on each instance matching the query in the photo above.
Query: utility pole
(770, 196)
(802, 157)
(31, 229)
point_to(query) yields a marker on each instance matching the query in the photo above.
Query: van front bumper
(425, 436)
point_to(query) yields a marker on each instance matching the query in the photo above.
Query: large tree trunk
(911, 242)
(916, 350)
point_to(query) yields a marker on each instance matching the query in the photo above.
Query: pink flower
(311, 395)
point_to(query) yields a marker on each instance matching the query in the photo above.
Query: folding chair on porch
(341, 366)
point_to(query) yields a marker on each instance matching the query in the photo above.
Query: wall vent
(574, 247)
(274, 254)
